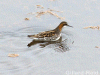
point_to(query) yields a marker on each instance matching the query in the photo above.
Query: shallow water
(75, 54)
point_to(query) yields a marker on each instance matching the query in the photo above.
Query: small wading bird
(52, 35)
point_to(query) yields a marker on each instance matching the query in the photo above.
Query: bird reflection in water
(59, 46)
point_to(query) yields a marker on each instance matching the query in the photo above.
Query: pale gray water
(81, 58)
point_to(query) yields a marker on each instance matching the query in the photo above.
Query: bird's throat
(60, 27)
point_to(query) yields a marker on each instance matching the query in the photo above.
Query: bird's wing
(43, 34)
(46, 34)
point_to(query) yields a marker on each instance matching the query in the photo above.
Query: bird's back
(46, 36)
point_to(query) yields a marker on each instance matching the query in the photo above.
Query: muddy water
(75, 53)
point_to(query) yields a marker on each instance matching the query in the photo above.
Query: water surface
(53, 59)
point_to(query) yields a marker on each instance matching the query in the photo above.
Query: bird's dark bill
(69, 26)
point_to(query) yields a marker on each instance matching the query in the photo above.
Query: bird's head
(63, 23)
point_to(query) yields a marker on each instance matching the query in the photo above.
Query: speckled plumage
(52, 35)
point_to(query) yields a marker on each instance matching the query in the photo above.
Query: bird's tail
(30, 35)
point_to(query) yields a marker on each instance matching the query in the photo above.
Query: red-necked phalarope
(52, 35)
